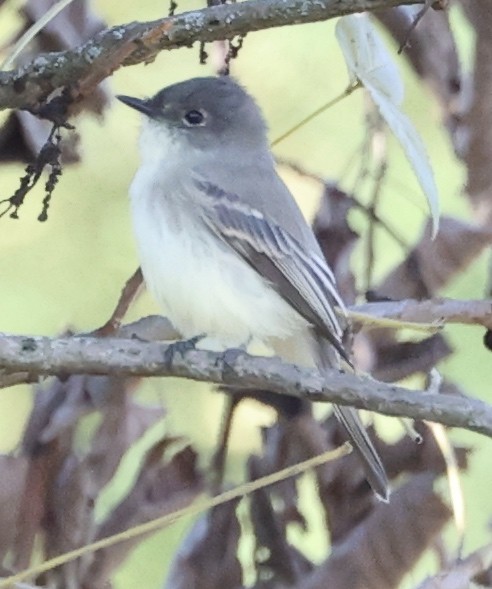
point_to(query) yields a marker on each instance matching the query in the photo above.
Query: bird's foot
(232, 354)
(181, 347)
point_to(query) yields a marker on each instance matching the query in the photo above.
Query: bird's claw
(181, 347)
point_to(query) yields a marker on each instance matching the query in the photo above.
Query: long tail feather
(374, 469)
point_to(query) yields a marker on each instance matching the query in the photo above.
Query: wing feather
(301, 277)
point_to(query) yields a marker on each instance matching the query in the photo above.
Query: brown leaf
(407, 456)
(76, 23)
(385, 546)
(71, 501)
(123, 423)
(207, 558)
(13, 470)
(428, 267)
(341, 483)
(336, 238)
(344, 492)
(433, 264)
(484, 579)
(23, 135)
(283, 561)
(69, 521)
(479, 115)
(398, 360)
(77, 396)
(79, 481)
(345, 495)
(159, 489)
(42, 471)
(290, 441)
(460, 575)
(44, 461)
(61, 486)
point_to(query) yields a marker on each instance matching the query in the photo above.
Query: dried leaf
(42, 471)
(72, 26)
(78, 396)
(13, 470)
(367, 57)
(461, 574)
(407, 456)
(344, 493)
(23, 135)
(484, 579)
(336, 238)
(479, 115)
(71, 500)
(159, 489)
(290, 441)
(398, 360)
(61, 486)
(432, 264)
(427, 268)
(386, 545)
(283, 561)
(207, 559)
(69, 521)
(45, 459)
(123, 423)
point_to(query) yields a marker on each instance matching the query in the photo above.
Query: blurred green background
(69, 271)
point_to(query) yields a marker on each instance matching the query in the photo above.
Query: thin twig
(438, 311)
(128, 295)
(315, 114)
(379, 155)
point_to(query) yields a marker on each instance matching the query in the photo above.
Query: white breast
(202, 285)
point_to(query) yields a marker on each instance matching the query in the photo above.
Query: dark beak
(139, 104)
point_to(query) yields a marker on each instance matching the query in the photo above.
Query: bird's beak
(139, 104)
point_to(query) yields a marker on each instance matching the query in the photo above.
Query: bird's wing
(301, 277)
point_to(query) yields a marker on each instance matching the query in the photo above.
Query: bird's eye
(193, 118)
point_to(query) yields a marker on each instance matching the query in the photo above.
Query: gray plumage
(223, 245)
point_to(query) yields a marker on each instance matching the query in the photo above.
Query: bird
(223, 246)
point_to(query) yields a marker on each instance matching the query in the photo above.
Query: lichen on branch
(82, 68)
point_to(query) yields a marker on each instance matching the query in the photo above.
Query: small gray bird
(223, 246)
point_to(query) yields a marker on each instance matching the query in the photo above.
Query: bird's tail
(328, 357)
(374, 469)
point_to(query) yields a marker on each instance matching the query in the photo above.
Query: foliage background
(68, 272)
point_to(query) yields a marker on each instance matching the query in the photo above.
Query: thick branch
(41, 355)
(82, 68)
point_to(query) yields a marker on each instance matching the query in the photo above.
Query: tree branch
(80, 70)
(436, 311)
(89, 355)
